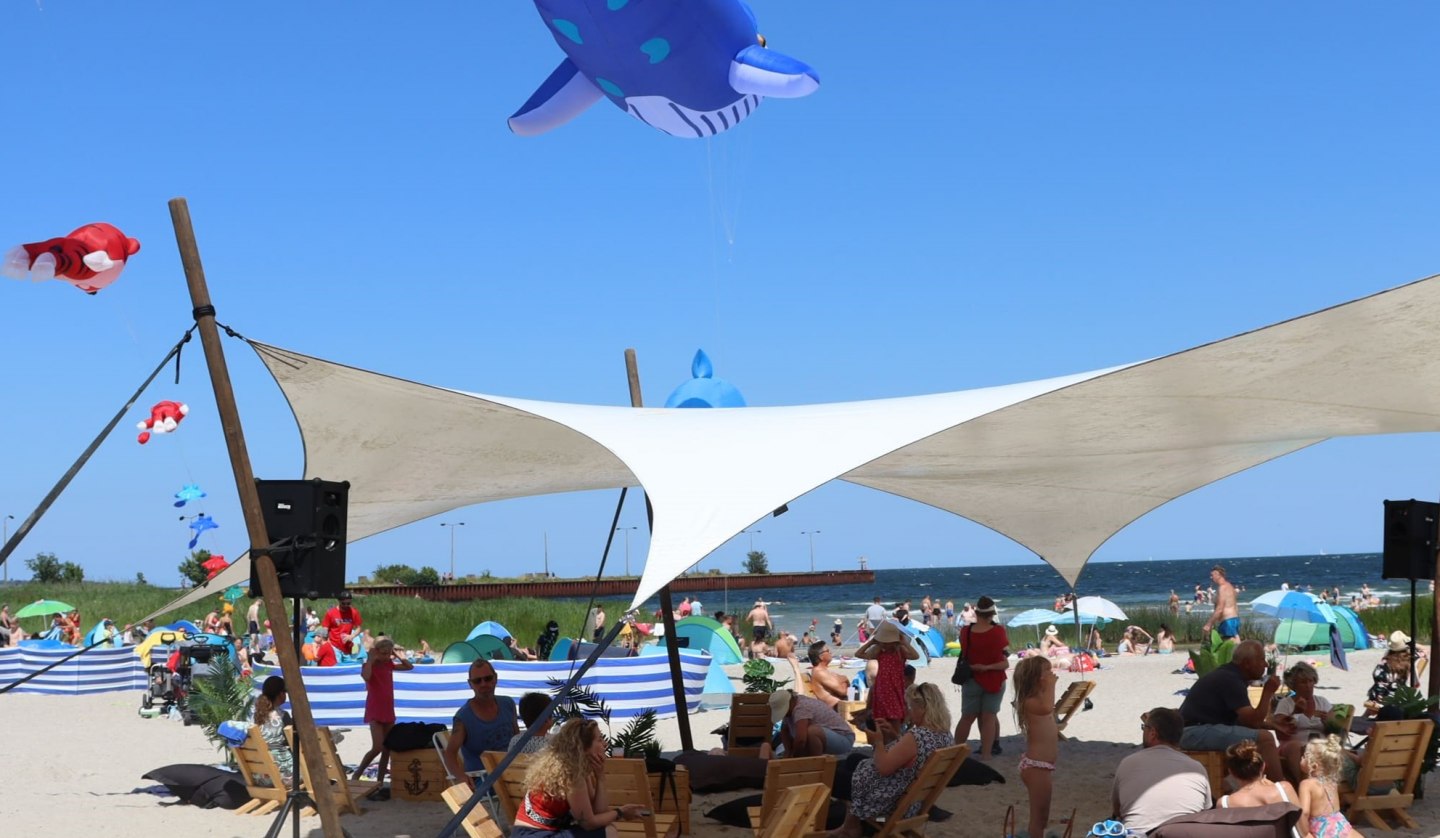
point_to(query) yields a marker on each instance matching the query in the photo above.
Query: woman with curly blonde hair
(566, 788)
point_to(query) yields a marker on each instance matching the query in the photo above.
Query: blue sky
(979, 193)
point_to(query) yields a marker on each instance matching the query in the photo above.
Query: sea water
(1015, 588)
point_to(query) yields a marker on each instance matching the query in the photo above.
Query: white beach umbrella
(1097, 606)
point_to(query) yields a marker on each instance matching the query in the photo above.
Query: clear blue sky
(979, 193)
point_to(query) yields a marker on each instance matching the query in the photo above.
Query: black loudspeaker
(306, 522)
(1410, 539)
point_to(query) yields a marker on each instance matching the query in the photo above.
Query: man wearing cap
(807, 727)
(343, 623)
(1158, 783)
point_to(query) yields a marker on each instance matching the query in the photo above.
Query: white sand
(70, 763)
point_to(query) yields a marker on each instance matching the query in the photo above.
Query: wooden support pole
(254, 521)
(667, 611)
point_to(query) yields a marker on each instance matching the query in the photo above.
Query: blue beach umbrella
(1035, 617)
(1292, 605)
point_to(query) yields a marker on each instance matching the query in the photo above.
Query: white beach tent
(1095, 450)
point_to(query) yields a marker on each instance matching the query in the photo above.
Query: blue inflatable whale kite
(690, 68)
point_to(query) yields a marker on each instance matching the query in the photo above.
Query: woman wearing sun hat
(987, 649)
(889, 648)
(1054, 648)
(1391, 673)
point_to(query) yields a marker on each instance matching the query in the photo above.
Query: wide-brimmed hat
(1399, 641)
(780, 704)
(1052, 631)
(887, 632)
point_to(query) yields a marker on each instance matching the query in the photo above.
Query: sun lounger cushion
(1272, 821)
(715, 772)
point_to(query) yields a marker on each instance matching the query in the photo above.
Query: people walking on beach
(889, 649)
(761, 626)
(343, 623)
(1226, 618)
(1035, 716)
(379, 674)
(875, 614)
(1319, 796)
(837, 632)
(1174, 603)
(252, 624)
(987, 648)
(967, 615)
(485, 722)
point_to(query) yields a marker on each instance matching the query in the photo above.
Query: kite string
(64, 481)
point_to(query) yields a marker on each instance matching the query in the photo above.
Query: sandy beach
(73, 762)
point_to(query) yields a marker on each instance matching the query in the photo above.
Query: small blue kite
(200, 523)
(187, 493)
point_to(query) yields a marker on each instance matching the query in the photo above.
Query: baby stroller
(169, 682)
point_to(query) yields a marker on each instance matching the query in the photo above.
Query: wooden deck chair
(781, 774)
(478, 824)
(924, 789)
(749, 721)
(797, 811)
(626, 781)
(847, 710)
(1214, 762)
(347, 792)
(509, 788)
(1070, 703)
(1392, 756)
(263, 780)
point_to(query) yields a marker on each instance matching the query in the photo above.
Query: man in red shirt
(343, 623)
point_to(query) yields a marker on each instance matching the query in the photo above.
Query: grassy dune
(406, 619)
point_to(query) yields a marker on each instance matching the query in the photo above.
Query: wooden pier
(463, 591)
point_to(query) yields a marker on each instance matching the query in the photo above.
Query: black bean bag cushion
(737, 812)
(715, 772)
(1272, 821)
(202, 785)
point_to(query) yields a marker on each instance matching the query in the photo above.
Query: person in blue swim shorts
(1226, 618)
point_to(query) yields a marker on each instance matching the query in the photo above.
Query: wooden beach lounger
(509, 787)
(626, 781)
(1393, 755)
(257, 766)
(347, 792)
(478, 824)
(797, 811)
(925, 788)
(1070, 703)
(749, 720)
(782, 774)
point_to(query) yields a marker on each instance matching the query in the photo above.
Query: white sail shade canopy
(1095, 450)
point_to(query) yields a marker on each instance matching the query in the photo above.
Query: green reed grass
(406, 619)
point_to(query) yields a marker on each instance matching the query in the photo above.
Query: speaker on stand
(305, 520)
(1409, 550)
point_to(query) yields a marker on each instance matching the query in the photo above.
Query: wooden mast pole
(250, 503)
(667, 611)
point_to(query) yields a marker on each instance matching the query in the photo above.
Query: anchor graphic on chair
(416, 786)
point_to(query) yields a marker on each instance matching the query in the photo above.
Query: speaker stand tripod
(296, 798)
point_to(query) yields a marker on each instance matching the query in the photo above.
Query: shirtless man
(760, 627)
(1226, 618)
(828, 685)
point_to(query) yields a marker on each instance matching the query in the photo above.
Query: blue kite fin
(765, 72)
(560, 99)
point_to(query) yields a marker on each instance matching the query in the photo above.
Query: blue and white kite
(691, 68)
(199, 524)
(187, 493)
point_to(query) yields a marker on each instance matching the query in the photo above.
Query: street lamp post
(812, 534)
(452, 527)
(5, 539)
(752, 538)
(627, 547)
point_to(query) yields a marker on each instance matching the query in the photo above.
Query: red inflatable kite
(90, 258)
(164, 418)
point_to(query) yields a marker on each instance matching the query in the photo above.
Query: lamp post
(627, 547)
(812, 534)
(752, 538)
(452, 527)
(6, 540)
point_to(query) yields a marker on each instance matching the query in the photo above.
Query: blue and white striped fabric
(97, 671)
(433, 692)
